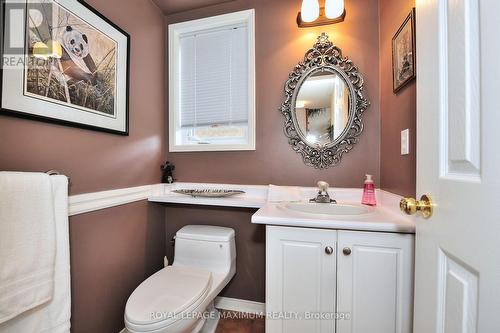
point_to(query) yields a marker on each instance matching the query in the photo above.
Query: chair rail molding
(88, 202)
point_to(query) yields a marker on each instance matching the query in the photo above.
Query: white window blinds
(213, 77)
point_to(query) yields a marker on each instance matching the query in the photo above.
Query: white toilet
(176, 298)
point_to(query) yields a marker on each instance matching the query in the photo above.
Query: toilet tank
(209, 247)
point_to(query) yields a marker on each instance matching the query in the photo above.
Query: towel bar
(55, 173)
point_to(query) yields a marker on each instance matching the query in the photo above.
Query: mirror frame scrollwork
(324, 56)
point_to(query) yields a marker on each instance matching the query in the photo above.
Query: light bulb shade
(55, 49)
(52, 49)
(300, 104)
(334, 8)
(309, 10)
(40, 50)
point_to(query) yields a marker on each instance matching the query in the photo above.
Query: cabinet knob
(347, 251)
(328, 250)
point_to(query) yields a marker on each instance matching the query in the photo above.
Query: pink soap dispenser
(369, 192)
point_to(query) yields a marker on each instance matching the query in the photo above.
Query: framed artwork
(64, 62)
(403, 53)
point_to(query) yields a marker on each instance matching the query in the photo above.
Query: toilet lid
(166, 294)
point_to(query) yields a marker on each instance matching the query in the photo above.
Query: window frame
(175, 31)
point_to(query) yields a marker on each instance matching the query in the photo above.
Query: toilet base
(204, 326)
(210, 325)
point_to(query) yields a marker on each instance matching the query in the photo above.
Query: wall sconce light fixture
(312, 14)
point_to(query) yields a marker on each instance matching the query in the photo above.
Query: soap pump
(369, 192)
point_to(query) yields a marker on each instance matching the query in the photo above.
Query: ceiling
(175, 6)
(316, 92)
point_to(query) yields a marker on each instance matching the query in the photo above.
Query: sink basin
(328, 209)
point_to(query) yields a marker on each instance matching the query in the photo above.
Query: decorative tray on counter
(209, 192)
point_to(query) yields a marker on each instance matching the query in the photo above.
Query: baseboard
(240, 305)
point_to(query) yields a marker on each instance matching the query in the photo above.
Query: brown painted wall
(280, 44)
(249, 282)
(397, 111)
(112, 250)
(98, 161)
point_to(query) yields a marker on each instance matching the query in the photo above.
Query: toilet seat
(166, 297)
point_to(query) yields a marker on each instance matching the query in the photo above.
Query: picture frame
(404, 53)
(69, 65)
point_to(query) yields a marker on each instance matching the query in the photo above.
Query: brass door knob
(411, 206)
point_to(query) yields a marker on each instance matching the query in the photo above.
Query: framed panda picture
(64, 62)
(403, 53)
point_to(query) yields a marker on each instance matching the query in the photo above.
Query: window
(211, 83)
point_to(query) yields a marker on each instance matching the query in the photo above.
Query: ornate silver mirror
(324, 105)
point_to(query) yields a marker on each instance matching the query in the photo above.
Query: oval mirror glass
(322, 108)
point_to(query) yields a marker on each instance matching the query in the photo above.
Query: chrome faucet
(323, 196)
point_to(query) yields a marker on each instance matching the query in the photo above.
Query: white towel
(27, 242)
(53, 316)
(283, 193)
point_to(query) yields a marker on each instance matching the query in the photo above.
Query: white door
(300, 280)
(375, 282)
(457, 286)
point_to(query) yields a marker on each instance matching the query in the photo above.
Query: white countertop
(380, 219)
(255, 196)
(385, 217)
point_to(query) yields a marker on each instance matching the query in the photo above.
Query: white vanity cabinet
(338, 281)
(300, 279)
(375, 282)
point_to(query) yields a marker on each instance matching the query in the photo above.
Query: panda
(76, 61)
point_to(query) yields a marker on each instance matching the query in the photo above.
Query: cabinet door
(375, 282)
(300, 280)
